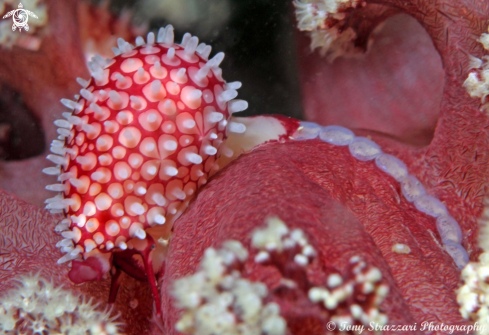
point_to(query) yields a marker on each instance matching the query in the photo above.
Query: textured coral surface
(319, 190)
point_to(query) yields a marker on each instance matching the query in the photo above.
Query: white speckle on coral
(400, 248)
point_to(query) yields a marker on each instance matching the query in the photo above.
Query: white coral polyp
(472, 296)
(37, 305)
(270, 238)
(485, 41)
(216, 300)
(477, 82)
(320, 18)
(309, 17)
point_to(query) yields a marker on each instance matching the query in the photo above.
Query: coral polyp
(36, 306)
(225, 297)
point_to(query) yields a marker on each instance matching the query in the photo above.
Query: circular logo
(20, 18)
(331, 326)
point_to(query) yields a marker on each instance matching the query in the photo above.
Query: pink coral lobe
(314, 192)
(86, 270)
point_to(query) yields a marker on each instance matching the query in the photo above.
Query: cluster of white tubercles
(339, 295)
(38, 307)
(146, 131)
(321, 19)
(277, 237)
(216, 300)
(477, 82)
(473, 296)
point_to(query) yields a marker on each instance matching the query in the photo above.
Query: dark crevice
(21, 135)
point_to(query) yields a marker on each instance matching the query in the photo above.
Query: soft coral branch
(461, 130)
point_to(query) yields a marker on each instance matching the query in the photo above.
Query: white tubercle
(216, 60)
(79, 220)
(204, 50)
(74, 120)
(190, 158)
(121, 80)
(161, 35)
(56, 198)
(169, 35)
(155, 87)
(234, 85)
(89, 245)
(123, 45)
(179, 76)
(58, 150)
(236, 106)
(87, 95)
(227, 95)
(137, 102)
(170, 58)
(100, 61)
(139, 41)
(56, 187)
(63, 132)
(74, 234)
(210, 150)
(158, 71)
(51, 171)
(159, 219)
(71, 104)
(140, 233)
(83, 83)
(77, 182)
(116, 51)
(185, 38)
(115, 97)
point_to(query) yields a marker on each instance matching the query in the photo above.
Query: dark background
(258, 39)
(259, 44)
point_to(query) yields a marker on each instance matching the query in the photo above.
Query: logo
(20, 17)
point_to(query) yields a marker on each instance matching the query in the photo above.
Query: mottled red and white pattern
(143, 136)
